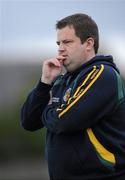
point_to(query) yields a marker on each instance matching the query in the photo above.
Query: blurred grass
(15, 142)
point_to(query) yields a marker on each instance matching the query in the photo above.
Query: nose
(61, 48)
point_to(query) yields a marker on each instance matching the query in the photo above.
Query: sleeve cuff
(42, 89)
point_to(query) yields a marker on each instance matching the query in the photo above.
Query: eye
(68, 41)
(58, 43)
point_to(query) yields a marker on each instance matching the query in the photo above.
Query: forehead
(67, 32)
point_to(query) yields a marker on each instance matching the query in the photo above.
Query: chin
(69, 69)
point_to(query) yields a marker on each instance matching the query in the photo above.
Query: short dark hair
(84, 26)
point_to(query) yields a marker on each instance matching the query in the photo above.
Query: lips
(65, 56)
(63, 60)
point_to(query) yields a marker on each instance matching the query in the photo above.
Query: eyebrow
(64, 41)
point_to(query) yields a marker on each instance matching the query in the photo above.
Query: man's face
(71, 48)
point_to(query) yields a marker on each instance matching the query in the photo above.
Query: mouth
(64, 60)
(65, 57)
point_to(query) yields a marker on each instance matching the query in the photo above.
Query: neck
(89, 56)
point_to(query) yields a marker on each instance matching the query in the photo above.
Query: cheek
(78, 52)
(75, 51)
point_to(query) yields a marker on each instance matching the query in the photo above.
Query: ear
(89, 43)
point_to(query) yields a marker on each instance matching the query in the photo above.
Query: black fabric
(90, 98)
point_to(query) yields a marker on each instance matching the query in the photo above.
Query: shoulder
(104, 72)
(101, 76)
(99, 71)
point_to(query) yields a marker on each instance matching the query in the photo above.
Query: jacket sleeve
(94, 99)
(33, 107)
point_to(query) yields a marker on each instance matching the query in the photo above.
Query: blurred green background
(21, 152)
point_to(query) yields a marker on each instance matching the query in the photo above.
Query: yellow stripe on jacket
(84, 91)
(102, 151)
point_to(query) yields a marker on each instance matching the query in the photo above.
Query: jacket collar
(97, 58)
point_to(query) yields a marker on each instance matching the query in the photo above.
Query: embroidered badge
(67, 95)
(55, 99)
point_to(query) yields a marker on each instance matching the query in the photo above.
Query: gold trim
(86, 79)
(85, 90)
(103, 152)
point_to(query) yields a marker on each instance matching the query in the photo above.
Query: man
(83, 110)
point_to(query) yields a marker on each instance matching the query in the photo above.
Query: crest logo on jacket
(67, 95)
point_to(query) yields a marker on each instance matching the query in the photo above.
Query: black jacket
(85, 122)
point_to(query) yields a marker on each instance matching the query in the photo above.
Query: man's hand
(51, 69)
